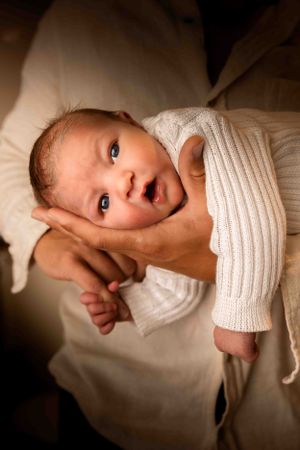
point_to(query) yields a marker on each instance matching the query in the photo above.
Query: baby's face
(116, 175)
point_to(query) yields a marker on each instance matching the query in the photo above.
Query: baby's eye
(114, 151)
(104, 202)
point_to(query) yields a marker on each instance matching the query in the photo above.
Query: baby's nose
(124, 183)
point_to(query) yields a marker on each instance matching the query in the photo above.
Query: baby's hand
(236, 343)
(106, 309)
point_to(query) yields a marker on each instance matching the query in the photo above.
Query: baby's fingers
(102, 308)
(102, 319)
(107, 328)
(87, 298)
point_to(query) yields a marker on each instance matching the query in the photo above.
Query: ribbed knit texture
(243, 199)
(161, 298)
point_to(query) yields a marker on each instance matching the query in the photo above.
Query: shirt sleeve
(161, 298)
(249, 224)
(37, 102)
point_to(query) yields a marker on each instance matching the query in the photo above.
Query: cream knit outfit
(252, 163)
(158, 392)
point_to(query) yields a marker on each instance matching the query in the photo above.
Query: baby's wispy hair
(45, 151)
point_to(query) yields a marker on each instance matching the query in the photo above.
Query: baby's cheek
(137, 218)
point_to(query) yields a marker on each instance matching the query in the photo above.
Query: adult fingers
(82, 274)
(41, 213)
(123, 241)
(191, 165)
(123, 311)
(102, 263)
(192, 172)
(128, 265)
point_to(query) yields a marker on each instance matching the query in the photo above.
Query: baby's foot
(236, 343)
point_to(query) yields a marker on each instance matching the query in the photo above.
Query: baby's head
(105, 167)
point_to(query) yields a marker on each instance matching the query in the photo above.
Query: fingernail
(124, 311)
(53, 217)
(198, 150)
(113, 286)
(38, 215)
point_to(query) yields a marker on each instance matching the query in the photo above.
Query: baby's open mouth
(150, 190)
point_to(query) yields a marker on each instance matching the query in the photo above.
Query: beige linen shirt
(160, 392)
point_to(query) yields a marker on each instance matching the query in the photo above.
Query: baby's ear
(126, 117)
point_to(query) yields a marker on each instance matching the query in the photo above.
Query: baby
(119, 174)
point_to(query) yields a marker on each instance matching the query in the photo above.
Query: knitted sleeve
(161, 298)
(249, 229)
(249, 224)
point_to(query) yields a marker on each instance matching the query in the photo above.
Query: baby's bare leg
(236, 343)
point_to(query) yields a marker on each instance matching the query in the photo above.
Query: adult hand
(64, 258)
(179, 243)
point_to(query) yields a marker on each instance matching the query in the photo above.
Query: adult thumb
(123, 310)
(191, 165)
